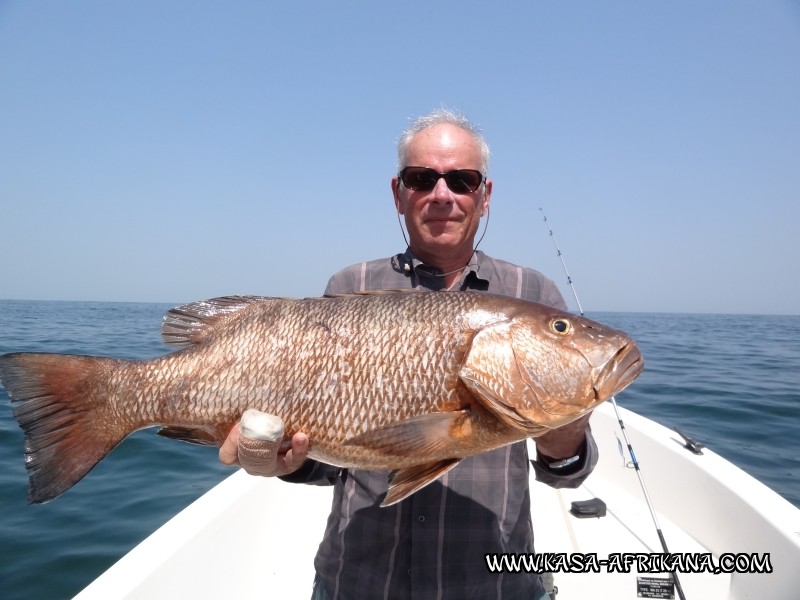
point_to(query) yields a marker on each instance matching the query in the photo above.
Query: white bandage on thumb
(259, 440)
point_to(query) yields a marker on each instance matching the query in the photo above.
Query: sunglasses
(424, 179)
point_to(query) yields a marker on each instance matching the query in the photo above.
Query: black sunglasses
(424, 179)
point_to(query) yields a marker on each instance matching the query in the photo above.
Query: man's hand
(256, 444)
(565, 441)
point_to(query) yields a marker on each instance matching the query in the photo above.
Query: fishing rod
(634, 461)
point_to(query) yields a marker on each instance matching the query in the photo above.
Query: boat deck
(252, 537)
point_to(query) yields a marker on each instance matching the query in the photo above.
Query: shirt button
(421, 518)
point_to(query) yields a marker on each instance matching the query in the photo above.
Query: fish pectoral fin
(404, 482)
(421, 435)
(201, 437)
(494, 403)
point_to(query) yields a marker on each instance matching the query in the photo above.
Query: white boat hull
(253, 537)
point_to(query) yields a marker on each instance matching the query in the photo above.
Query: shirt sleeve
(551, 296)
(342, 282)
(574, 476)
(313, 472)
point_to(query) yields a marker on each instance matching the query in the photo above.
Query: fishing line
(635, 462)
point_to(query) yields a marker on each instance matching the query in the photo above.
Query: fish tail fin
(68, 428)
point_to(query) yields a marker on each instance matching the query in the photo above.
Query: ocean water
(730, 381)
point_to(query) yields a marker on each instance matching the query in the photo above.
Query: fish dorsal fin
(385, 292)
(422, 435)
(192, 323)
(404, 482)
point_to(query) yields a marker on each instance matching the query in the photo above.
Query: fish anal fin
(404, 482)
(422, 435)
(192, 435)
(190, 324)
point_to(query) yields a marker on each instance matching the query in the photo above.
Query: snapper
(410, 382)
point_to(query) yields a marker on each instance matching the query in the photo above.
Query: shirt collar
(478, 265)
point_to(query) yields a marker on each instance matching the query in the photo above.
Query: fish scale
(405, 381)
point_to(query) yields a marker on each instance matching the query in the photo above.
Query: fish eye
(561, 326)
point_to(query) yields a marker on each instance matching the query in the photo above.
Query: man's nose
(442, 193)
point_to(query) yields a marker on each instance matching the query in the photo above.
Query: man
(432, 544)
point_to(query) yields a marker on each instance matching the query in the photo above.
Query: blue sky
(174, 151)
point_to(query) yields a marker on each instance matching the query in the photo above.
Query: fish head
(543, 368)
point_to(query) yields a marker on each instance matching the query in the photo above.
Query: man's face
(442, 224)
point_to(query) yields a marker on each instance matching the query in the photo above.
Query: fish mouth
(619, 372)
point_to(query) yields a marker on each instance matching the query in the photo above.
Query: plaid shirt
(432, 544)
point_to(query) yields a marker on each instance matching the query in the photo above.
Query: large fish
(411, 382)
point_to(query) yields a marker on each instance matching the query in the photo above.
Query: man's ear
(487, 194)
(398, 201)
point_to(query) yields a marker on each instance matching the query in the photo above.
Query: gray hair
(438, 117)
